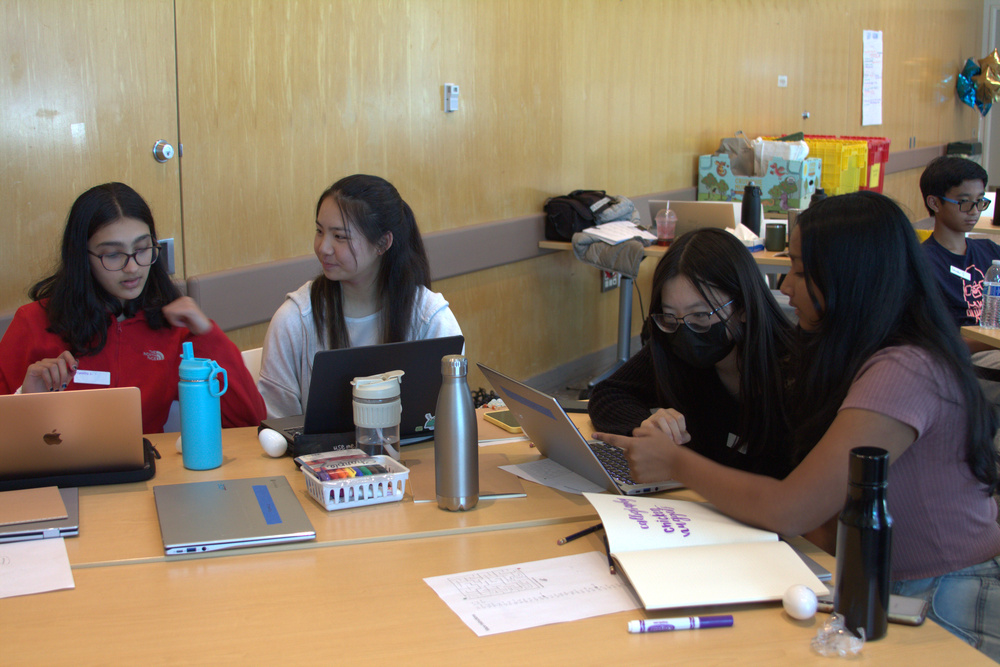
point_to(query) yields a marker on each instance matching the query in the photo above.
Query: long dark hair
(860, 253)
(713, 258)
(374, 207)
(78, 308)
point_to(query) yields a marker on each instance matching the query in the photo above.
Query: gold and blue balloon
(979, 82)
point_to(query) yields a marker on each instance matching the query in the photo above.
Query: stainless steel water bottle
(864, 545)
(456, 439)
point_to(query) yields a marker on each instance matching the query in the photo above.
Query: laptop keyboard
(613, 460)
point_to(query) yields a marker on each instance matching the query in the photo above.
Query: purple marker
(688, 623)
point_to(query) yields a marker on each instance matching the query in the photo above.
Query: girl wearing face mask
(710, 369)
(879, 364)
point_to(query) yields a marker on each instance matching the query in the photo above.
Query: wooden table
(359, 588)
(118, 523)
(982, 335)
(370, 601)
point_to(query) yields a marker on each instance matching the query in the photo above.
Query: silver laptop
(692, 215)
(39, 530)
(229, 514)
(67, 432)
(558, 438)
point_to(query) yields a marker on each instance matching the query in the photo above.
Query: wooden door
(86, 89)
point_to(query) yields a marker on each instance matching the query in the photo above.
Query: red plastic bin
(878, 155)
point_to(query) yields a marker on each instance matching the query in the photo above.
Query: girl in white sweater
(374, 289)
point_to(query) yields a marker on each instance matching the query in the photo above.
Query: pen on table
(580, 533)
(607, 550)
(687, 623)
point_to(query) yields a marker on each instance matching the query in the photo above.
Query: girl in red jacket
(112, 310)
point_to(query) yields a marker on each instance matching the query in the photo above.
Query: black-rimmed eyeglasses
(117, 261)
(696, 322)
(966, 205)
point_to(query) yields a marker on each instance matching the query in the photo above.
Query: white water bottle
(990, 317)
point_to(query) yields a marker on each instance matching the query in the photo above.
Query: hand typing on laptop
(650, 451)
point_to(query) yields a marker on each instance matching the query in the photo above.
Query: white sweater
(291, 343)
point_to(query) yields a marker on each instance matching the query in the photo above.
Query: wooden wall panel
(278, 99)
(904, 187)
(86, 89)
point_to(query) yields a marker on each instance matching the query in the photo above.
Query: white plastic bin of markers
(336, 494)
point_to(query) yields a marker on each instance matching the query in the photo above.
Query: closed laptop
(229, 514)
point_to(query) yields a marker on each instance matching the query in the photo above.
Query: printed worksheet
(527, 595)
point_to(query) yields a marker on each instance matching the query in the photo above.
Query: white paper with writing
(871, 81)
(527, 595)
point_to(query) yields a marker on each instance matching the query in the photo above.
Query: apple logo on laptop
(54, 438)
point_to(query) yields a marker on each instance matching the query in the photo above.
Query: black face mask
(701, 350)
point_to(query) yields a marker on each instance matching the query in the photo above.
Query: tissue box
(787, 183)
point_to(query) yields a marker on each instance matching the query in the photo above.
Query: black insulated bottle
(864, 545)
(750, 208)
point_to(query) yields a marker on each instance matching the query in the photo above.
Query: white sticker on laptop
(960, 273)
(92, 377)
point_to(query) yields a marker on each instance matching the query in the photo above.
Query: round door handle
(162, 151)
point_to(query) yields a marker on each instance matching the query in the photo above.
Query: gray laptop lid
(37, 530)
(229, 514)
(556, 436)
(65, 432)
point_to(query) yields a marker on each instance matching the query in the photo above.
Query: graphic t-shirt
(961, 276)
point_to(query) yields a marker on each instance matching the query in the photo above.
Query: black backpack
(568, 214)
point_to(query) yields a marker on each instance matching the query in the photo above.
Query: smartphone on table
(504, 419)
(903, 610)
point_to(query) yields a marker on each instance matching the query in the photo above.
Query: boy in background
(954, 192)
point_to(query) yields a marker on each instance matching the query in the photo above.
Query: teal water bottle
(201, 411)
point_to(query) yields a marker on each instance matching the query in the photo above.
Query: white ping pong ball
(273, 442)
(800, 602)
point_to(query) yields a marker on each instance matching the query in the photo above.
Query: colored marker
(689, 623)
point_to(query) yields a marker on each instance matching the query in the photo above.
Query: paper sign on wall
(871, 83)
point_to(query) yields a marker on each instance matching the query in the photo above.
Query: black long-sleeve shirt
(712, 415)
